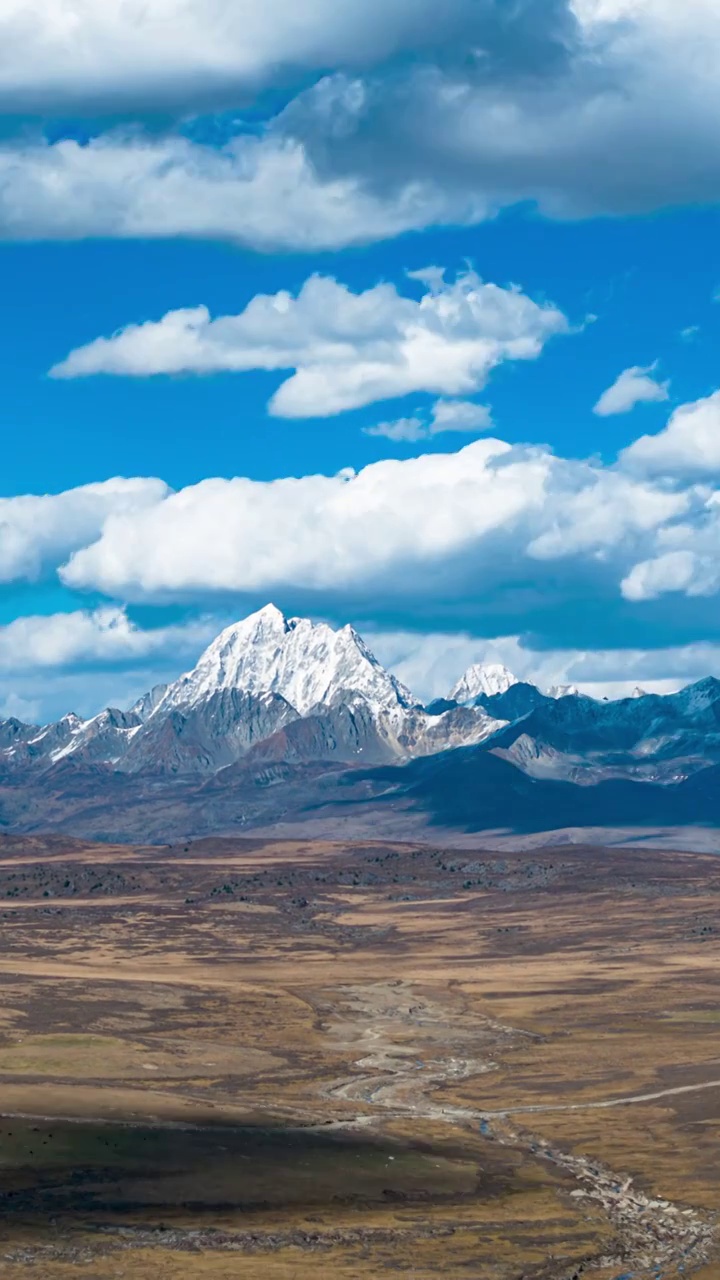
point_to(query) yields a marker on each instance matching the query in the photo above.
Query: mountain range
(289, 725)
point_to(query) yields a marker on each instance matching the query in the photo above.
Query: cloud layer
(264, 192)
(429, 664)
(347, 349)
(104, 636)
(399, 120)
(38, 531)
(621, 122)
(468, 530)
(564, 565)
(492, 531)
(104, 54)
(86, 659)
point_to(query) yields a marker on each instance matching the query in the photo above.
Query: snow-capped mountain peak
(483, 679)
(563, 691)
(308, 664)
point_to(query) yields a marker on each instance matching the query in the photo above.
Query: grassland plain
(277, 1061)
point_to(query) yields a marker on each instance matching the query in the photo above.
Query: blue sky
(646, 279)
(292, 174)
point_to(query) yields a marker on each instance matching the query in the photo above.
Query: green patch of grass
(693, 1015)
(244, 1168)
(80, 1056)
(73, 1041)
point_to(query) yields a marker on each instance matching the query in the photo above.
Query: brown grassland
(283, 1061)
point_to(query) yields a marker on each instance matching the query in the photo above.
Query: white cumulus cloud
(347, 349)
(686, 555)
(264, 192)
(512, 533)
(558, 552)
(672, 571)
(688, 445)
(484, 519)
(618, 117)
(38, 531)
(446, 415)
(104, 636)
(62, 54)
(86, 659)
(634, 386)
(408, 121)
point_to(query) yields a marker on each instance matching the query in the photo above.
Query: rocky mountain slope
(579, 739)
(286, 721)
(300, 687)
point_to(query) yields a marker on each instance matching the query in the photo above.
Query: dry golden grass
(244, 987)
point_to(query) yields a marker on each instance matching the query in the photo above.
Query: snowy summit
(483, 680)
(307, 663)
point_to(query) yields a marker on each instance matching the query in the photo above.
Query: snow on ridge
(307, 663)
(488, 680)
(483, 679)
(316, 669)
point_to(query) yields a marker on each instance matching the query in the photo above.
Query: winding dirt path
(539, 1108)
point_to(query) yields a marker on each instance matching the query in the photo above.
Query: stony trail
(654, 1237)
